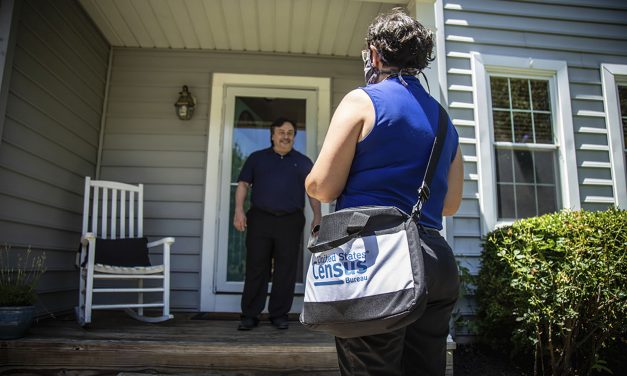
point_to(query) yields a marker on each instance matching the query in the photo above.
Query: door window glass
(251, 132)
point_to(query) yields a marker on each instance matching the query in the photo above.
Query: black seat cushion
(122, 252)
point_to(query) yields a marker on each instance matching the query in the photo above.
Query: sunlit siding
(584, 34)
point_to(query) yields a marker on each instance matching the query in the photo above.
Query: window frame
(556, 72)
(613, 75)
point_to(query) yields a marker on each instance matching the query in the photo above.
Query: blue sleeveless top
(390, 163)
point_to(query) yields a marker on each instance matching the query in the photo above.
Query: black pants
(271, 237)
(420, 348)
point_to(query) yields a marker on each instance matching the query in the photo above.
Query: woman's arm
(353, 119)
(455, 185)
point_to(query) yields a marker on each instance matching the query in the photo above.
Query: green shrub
(554, 288)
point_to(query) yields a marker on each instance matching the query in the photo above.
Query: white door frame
(210, 301)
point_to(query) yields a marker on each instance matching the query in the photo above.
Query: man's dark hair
(402, 41)
(277, 123)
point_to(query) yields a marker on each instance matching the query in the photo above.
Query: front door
(249, 112)
(242, 108)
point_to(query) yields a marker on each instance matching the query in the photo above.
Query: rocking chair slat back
(116, 210)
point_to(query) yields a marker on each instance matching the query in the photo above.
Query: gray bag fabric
(366, 275)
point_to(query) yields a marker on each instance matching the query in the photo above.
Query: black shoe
(247, 323)
(280, 323)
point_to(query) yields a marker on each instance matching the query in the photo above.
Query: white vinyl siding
(582, 34)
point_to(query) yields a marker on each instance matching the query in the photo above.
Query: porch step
(190, 344)
(118, 345)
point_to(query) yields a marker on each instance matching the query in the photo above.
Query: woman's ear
(376, 58)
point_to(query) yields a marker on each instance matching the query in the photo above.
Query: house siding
(50, 138)
(145, 142)
(582, 33)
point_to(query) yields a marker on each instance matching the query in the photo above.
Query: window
(614, 79)
(525, 138)
(524, 147)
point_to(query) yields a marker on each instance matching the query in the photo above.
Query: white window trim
(614, 129)
(557, 72)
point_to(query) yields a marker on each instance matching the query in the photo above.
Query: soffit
(313, 27)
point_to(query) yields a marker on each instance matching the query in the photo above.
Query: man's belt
(277, 213)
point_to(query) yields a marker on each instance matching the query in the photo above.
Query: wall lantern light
(185, 104)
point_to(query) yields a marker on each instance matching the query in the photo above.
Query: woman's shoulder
(356, 101)
(357, 96)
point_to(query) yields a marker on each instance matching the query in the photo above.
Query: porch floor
(116, 344)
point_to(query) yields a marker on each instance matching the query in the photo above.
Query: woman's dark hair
(401, 41)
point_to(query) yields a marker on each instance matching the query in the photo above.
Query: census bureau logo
(339, 268)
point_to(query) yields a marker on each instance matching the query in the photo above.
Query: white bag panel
(366, 266)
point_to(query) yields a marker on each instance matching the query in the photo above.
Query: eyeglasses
(364, 55)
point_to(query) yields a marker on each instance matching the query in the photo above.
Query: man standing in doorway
(274, 222)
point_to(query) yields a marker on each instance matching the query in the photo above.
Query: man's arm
(239, 219)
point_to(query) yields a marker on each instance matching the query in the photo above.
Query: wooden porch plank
(117, 343)
(121, 356)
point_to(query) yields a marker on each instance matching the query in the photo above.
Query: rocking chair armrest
(81, 258)
(87, 237)
(168, 240)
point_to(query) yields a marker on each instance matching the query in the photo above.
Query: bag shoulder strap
(434, 157)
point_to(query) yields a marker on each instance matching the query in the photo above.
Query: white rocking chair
(114, 262)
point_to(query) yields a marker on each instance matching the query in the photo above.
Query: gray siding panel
(50, 138)
(145, 142)
(583, 33)
(560, 10)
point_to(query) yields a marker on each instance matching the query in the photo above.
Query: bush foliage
(554, 288)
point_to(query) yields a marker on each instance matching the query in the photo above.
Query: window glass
(540, 95)
(544, 163)
(525, 201)
(525, 149)
(546, 199)
(504, 166)
(520, 94)
(502, 126)
(523, 129)
(500, 92)
(505, 195)
(543, 131)
(523, 166)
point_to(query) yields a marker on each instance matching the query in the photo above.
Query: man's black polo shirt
(278, 182)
